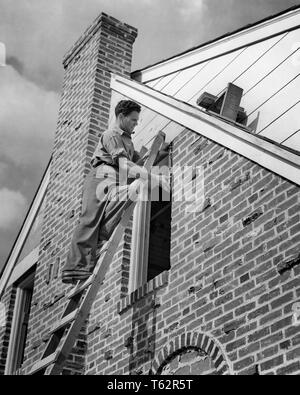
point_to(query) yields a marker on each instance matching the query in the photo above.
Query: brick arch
(188, 341)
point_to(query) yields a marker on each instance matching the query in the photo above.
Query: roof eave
(249, 35)
(278, 159)
(24, 230)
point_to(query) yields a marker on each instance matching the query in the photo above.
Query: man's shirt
(113, 144)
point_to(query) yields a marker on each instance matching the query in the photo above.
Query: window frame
(15, 340)
(140, 239)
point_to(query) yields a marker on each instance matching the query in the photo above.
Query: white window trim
(22, 267)
(139, 245)
(139, 256)
(14, 340)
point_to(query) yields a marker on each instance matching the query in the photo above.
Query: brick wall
(8, 301)
(228, 298)
(232, 255)
(105, 47)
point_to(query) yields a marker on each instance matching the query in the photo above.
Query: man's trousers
(102, 207)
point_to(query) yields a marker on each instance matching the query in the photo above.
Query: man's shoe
(75, 275)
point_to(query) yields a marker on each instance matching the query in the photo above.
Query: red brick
(282, 300)
(271, 317)
(224, 299)
(236, 344)
(223, 319)
(271, 363)
(249, 349)
(267, 276)
(213, 314)
(291, 368)
(296, 340)
(258, 335)
(244, 288)
(232, 305)
(267, 353)
(293, 354)
(291, 284)
(243, 363)
(281, 324)
(245, 308)
(269, 296)
(246, 328)
(271, 339)
(256, 313)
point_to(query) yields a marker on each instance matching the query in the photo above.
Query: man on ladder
(105, 193)
(65, 330)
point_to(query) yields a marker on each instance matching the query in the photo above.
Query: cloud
(28, 119)
(2, 54)
(7, 237)
(3, 172)
(13, 205)
(190, 8)
(15, 63)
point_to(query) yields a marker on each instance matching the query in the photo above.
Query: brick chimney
(105, 47)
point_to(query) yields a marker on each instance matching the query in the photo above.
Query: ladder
(65, 333)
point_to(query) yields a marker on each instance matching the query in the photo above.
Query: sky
(37, 34)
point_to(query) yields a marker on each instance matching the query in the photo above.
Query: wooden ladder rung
(64, 321)
(81, 287)
(43, 363)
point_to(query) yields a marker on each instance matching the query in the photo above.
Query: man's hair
(126, 107)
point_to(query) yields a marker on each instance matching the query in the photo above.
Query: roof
(293, 8)
(274, 157)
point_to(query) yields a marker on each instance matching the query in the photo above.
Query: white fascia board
(261, 32)
(22, 267)
(264, 153)
(24, 231)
